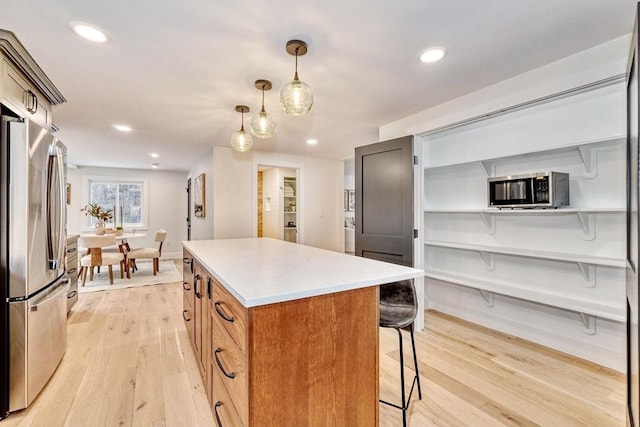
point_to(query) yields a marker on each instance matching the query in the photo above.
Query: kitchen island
(285, 334)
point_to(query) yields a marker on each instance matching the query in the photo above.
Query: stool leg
(404, 402)
(415, 363)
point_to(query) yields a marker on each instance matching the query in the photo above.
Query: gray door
(384, 201)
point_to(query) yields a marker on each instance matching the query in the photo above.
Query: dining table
(121, 239)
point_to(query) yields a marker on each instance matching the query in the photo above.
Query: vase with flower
(100, 214)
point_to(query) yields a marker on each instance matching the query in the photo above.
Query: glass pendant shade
(296, 97)
(263, 125)
(241, 140)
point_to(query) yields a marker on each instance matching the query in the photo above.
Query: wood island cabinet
(297, 361)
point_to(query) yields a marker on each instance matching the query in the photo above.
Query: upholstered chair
(398, 309)
(149, 253)
(96, 257)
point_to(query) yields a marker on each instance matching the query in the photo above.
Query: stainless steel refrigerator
(33, 291)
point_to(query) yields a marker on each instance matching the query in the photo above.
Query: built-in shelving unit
(290, 206)
(585, 217)
(570, 262)
(587, 151)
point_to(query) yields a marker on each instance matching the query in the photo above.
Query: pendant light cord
(296, 75)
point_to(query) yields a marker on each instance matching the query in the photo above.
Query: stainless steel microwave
(535, 190)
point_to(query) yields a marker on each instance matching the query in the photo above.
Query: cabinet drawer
(222, 406)
(72, 247)
(230, 364)
(187, 288)
(229, 314)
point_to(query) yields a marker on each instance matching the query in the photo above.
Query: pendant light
(262, 124)
(241, 140)
(296, 97)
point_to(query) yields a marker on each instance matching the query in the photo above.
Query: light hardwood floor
(129, 363)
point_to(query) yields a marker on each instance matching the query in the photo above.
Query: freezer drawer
(38, 340)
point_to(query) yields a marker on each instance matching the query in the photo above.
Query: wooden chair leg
(155, 267)
(91, 274)
(157, 261)
(84, 275)
(122, 269)
(111, 274)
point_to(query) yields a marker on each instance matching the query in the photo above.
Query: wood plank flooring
(129, 363)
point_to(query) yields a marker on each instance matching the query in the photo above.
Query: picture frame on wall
(351, 200)
(199, 207)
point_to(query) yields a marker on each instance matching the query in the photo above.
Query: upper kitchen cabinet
(25, 88)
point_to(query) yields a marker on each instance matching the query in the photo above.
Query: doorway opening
(278, 202)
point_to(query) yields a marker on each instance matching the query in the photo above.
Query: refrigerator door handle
(62, 239)
(56, 177)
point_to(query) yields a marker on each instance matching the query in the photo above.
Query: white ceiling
(174, 70)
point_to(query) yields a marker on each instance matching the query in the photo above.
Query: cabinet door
(23, 98)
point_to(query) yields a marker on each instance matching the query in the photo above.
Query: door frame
(188, 189)
(299, 168)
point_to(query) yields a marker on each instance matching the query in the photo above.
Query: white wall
(202, 227)
(167, 204)
(271, 226)
(320, 189)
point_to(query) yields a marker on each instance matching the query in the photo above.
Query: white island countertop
(260, 271)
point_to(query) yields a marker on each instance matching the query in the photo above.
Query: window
(127, 197)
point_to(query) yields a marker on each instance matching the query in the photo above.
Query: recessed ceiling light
(312, 141)
(433, 54)
(155, 165)
(89, 32)
(154, 155)
(122, 128)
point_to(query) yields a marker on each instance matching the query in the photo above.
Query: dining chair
(149, 253)
(398, 309)
(96, 257)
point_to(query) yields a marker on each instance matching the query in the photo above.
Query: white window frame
(87, 179)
